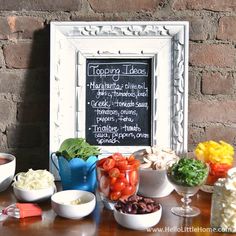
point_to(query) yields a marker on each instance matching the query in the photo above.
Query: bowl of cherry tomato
(117, 178)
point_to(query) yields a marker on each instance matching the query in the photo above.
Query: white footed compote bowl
(187, 176)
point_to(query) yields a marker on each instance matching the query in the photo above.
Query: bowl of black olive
(137, 213)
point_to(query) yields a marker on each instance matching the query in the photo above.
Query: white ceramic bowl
(138, 221)
(38, 195)
(7, 170)
(61, 203)
(154, 183)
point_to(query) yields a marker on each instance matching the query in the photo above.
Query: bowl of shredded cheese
(34, 185)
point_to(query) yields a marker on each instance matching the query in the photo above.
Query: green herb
(77, 147)
(188, 172)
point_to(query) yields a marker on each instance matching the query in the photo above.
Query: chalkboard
(118, 102)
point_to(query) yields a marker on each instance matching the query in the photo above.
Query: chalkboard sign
(118, 102)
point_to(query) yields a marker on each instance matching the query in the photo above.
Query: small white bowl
(154, 183)
(38, 195)
(138, 221)
(7, 170)
(61, 203)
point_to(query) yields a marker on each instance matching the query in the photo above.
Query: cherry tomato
(128, 190)
(135, 163)
(122, 164)
(113, 180)
(131, 158)
(117, 156)
(108, 164)
(118, 185)
(123, 178)
(115, 195)
(100, 162)
(133, 177)
(122, 175)
(114, 172)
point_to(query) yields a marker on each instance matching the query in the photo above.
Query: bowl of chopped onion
(73, 204)
(34, 185)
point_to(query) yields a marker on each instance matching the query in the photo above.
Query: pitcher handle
(92, 167)
(53, 162)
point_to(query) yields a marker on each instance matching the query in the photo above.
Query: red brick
(195, 135)
(42, 5)
(34, 84)
(88, 17)
(25, 26)
(3, 141)
(26, 55)
(124, 5)
(10, 83)
(200, 28)
(4, 28)
(217, 133)
(212, 111)
(1, 59)
(34, 158)
(32, 112)
(19, 26)
(7, 112)
(227, 29)
(23, 136)
(212, 5)
(194, 82)
(212, 55)
(217, 83)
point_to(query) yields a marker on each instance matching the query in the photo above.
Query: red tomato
(113, 180)
(117, 156)
(133, 177)
(100, 162)
(114, 172)
(122, 164)
(128, 190)
(108, 164)
(135, 163)
(118, 186)
(123, 179)
(115, 195)
(122, 176)
(131, 158)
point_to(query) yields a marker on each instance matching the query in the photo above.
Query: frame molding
(166, 43)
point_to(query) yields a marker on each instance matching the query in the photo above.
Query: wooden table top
(102, 222)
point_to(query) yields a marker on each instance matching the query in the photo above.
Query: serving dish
(7, 170)
(73, 204)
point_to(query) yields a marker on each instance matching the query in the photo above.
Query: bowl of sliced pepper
(219, 156)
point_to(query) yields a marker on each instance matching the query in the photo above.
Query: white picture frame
(166, 43)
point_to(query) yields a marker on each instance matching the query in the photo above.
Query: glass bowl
(111, 189)
(186, 192)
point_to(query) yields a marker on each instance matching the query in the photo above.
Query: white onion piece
(34, 180)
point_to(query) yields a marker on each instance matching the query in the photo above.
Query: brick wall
(24, 65)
